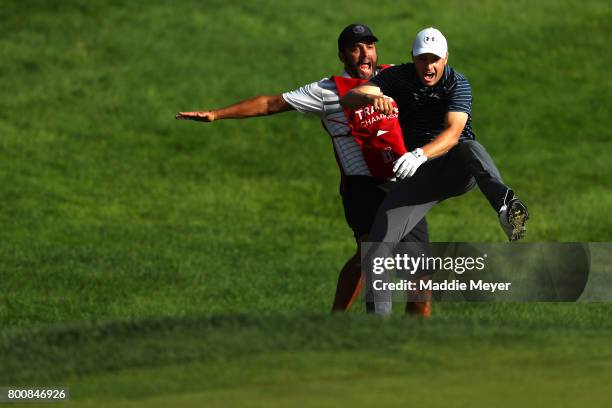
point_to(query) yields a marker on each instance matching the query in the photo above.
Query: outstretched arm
(256, 106)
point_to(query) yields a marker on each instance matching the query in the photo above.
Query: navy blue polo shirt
(422, 109)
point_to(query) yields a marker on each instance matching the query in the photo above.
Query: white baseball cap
(430, 41)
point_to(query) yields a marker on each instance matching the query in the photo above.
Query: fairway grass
(365, 379)
(150, 262)
(111, 209)
(305, 361)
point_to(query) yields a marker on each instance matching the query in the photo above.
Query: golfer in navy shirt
(444, 158)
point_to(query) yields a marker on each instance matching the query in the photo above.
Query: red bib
(379, 136)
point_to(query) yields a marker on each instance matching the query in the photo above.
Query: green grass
(112, 212)
(307, 360)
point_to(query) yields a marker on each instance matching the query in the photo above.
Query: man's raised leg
(512, 212)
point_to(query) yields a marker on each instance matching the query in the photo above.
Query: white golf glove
(408, 164)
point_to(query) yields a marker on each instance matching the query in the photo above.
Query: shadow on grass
(47, 353)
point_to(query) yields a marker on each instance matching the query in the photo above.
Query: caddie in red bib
(379, 136)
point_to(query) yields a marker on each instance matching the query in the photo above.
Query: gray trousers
(466, 165)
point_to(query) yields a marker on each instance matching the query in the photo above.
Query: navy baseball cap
(355, 33)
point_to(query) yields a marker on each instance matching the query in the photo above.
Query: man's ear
(341, 56)
(446, 58)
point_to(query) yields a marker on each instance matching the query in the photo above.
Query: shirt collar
(346, 74)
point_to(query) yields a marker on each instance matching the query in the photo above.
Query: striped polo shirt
(422, 109)
(321, 98)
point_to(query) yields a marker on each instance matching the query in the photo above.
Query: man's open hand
(207, 116)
